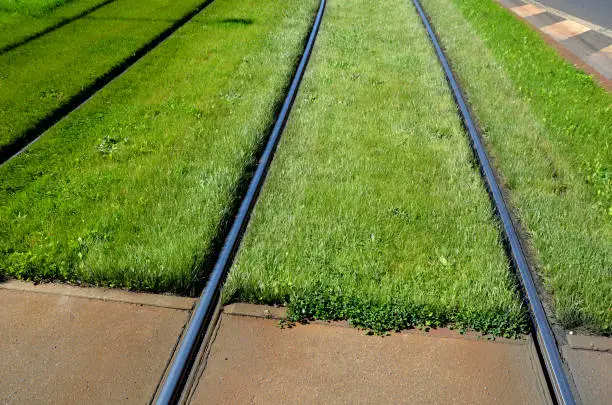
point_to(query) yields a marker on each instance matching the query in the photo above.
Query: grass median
(31, 7)
(20, 20)
(43, 75)
(547, 125)
(133, 188)
(373, 210)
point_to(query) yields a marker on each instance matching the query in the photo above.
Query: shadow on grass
(237, 21)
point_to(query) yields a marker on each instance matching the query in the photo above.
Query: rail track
(31, 135)
(171, 390)
(174, 382)
(208, 306)
(545, 341)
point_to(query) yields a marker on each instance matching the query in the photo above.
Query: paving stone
(253, 361)
(564, 29)
(60, 349)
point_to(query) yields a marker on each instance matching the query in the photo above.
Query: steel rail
(545, 337)
(173, 385)
(35, 132)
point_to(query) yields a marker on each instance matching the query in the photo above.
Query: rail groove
(175, 380)
(545, 337)
(34, 133)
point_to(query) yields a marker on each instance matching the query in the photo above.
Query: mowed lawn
(133, 189)
(30, 7)
(549, 129)
(373, 210)
(20, 20)
(43, 75)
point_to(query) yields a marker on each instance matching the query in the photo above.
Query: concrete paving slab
(251, 360)
(587, 43)
(106, 294)
(527, 10)
(544, 19)
(564, 29)
(592, 372)
(602, 62)
(67, 349)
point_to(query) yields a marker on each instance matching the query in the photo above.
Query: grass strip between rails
(372, 210)
(42, 76)
(17, 24)
(31, 7)
(133, 188)
(548, 126)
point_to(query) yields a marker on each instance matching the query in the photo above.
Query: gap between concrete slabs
(252, 360)
(70, 345)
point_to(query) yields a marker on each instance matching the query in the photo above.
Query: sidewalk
(253, 361)
(69, 345)
(586, 45)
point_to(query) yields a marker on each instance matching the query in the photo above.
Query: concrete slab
(587, 43)
(602, 61)
(544, 19)
(251, 360)
(105, 294)
(564, 29)
(592, 372)
(527, 10)
(63, 349)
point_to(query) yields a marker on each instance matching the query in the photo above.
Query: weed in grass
(371, 211)
(548, 126)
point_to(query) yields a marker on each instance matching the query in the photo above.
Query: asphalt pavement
(598, 12)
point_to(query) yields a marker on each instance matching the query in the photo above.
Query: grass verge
(132, 189)
(43, 75)
(373, 211)
(548, 127)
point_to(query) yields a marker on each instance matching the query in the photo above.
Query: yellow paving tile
(564, 29)
(527, 10)
(607, 51)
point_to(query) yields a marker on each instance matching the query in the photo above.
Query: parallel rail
(174, 382)
(545, 337)
(34, 133)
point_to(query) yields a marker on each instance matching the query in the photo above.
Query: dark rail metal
(175, 380)
(545, 337)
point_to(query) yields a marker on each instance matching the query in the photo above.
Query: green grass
(548, 126)
(372, 210)
(15, 26)
(132, 189)
(30, 7)
(41, 76)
